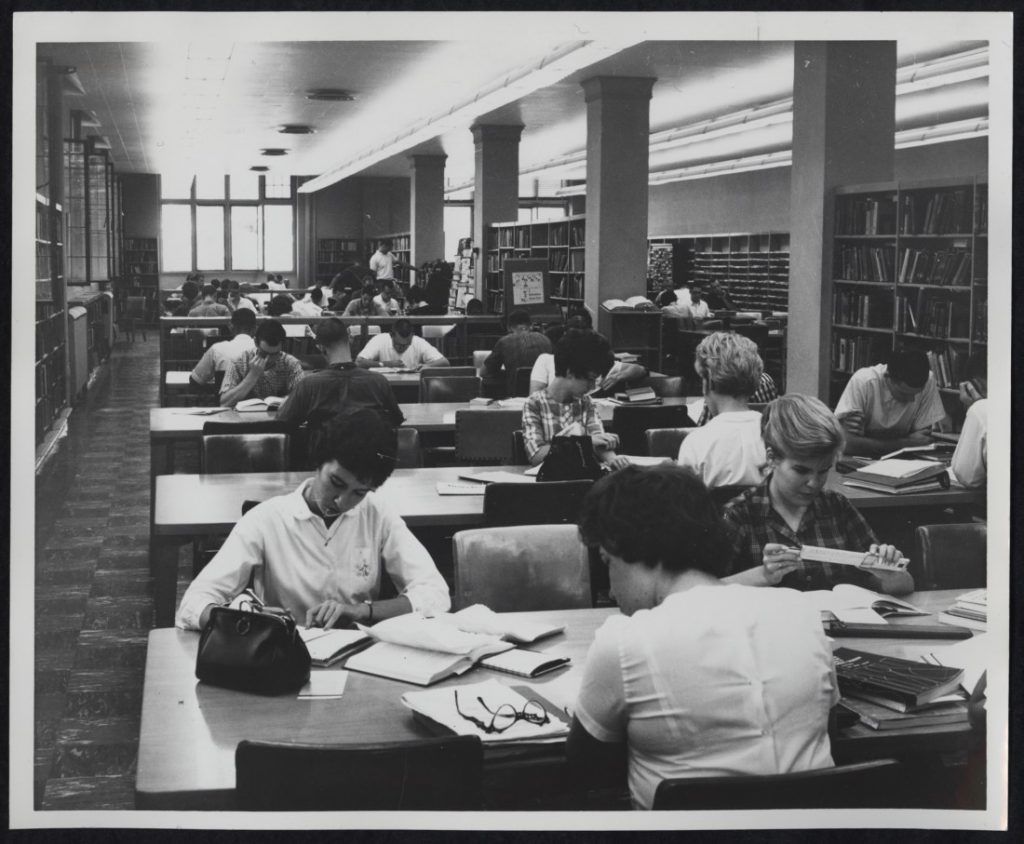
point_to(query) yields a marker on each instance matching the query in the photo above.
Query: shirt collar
(299, 510)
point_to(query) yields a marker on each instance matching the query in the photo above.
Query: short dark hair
(280, 305)
(659, 514)
(209, 290)
(579, 318)
(385, 245)
(362, 442)
(190, 289)
(243, 320)
(330, 332)
(402, 327)
(582, 352)
(316, 295)
(519, 318)
(909, 366)
(271, 332)
(368, 289)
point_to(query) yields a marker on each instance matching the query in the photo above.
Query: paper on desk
(324, 684)
(451, 488)
(499, 476)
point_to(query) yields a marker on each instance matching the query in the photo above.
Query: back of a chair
(548, 503)
(950, 556)
(135, 306)
(522, 381)
(409, 454)
(630, 423)
(519, 448)
(449, 371)
(665, 442)
(758, 406)
(519, 569)
(485, 436)
(226, 453)
(758, 332)
(446, 388)
(875, 784)
(442, 773)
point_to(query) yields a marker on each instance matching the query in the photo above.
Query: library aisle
(93, 593)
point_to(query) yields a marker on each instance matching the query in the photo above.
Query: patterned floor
(93, 596)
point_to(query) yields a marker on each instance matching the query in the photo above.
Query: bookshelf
(560, 242)
(142, 271)
(638, 332)
(910, 271)
(333, 254)
(401, 247)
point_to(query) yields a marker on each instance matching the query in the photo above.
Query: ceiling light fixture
(273, 151)
(295, 129)
(330, 95)
(259, 168)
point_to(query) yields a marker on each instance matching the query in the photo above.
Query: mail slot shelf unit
(141, 262)
(752, 268)
(910, 271)
(401, 248)
(562, 243)
(333, 254)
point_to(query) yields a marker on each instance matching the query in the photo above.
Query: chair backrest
(950, 556)
(135, 306)
(874, 784)
(485, 436)
(446, 388)
(758, 332)
(665, 442)
(450, 371)
(522, 381)
(513, 569)
(409, 454)
(519, 448)
(223, 453)
(549, 503)
(442, 773)
(630, 423)
(759, 406)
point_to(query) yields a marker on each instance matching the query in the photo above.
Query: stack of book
(969, 610)
(888, 692)
(898, 477)
(637, 395)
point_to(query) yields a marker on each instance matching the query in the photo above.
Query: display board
(527, 286)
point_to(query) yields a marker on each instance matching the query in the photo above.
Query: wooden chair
(549, 503)
(134, 315)
(444, 773)
(512, 569)
(265, 426)
(950, 556)
(630, 423)
(485, 436)
(409, 454)
(665, 442)
(225, 453)
(876, 784)
(445, 388)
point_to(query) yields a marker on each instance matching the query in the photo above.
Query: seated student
(236, 301)
(970, 460)
(321, 551)
(326, 394)
(280, 305)
(890, 406)
(400, 348)
(221, 355)
(365, 304)
(791, 507)
(695, 310)
(695, 677)
(667, 295)
(520, 347)
(209, 306)
(189, 295)
(309, 305)
(718, 298)
(263, 371)
(386, 298)
(581, 359)
(766, 392)
(728, 450)
(619, 376)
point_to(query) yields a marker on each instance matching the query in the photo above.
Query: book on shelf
(254, 405)
(902, 682)
(328, 646)
(523, 662)
(879, 716)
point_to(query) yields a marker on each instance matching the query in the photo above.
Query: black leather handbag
(570, 459)
(257, 650)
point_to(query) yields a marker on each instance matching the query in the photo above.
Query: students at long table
(696, 677)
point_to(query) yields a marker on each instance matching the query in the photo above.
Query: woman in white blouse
(696, 677)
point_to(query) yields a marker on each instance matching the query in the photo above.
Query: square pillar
(426, 208)
(496, 184)
(844, 123)
(618, 126)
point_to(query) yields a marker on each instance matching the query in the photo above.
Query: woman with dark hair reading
(696, 677)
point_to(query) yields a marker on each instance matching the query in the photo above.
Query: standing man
(263, 371)
(383, 263)
(220, 356)
(520, 347)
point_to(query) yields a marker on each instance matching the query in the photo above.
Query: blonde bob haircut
(802, 427)
(730, 363)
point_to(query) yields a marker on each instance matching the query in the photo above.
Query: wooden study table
(189, 731)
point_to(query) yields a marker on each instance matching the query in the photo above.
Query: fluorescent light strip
(508, 89)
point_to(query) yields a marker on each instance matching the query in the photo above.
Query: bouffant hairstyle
(730, 363)
(799, 426)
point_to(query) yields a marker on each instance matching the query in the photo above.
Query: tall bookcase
(560, 242)
(910, 271)
(333, 254)
(401, 246)
(142, 271)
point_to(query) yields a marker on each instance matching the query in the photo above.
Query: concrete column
(426, 208)
(618, 125)
(496, 185)
(844, 99)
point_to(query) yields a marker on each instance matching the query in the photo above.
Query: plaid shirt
(278, 381)
(830, 521)
(543, 418)
(766, 392)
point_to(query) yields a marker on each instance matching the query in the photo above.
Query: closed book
(879, 717)
(524, 662)
(892, 678)
(932, 485)
(898, 473)
(959, 620)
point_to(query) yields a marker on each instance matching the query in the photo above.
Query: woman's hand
(616, 461)
(605, 442)
(779, 560)
(888, 555)
(332, 614)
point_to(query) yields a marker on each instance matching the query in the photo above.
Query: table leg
(163, 563)
(159, 464)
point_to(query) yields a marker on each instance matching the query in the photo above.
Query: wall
(385, 205)
(339, 210)
(140, 198)
(955, 160)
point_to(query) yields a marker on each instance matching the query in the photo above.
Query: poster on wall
(527, 288)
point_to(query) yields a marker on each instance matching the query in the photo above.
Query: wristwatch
(369, 607)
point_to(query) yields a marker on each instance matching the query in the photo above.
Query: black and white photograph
(511, 420)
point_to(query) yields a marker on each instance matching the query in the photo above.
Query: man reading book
(264, 371)
(321, 551)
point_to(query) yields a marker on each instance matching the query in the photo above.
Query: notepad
(324, 685)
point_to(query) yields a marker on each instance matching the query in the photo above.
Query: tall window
(220, 224)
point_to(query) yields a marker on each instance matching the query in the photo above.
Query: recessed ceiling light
(259, 168)
(333, 95)
(273, 151)
(295, 129)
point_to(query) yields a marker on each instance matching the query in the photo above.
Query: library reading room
(647, 365)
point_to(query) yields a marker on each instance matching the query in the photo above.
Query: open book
(252, 405)
(480, 619)
(327, 647)
(855, 605)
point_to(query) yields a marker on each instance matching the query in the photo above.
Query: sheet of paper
(450, 488)
(324, 684)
